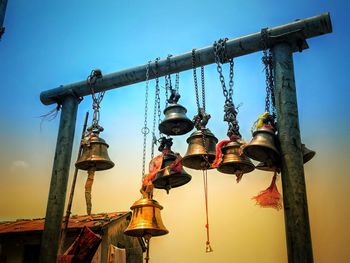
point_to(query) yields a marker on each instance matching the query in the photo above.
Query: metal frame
(284, 40)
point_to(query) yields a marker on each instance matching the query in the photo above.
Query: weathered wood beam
(295, 32)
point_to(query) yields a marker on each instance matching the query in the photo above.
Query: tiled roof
(27, 225)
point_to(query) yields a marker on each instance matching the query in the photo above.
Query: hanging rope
(205, 182)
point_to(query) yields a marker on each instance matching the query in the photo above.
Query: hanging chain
(267, 60)
(202, 118)
(203, 87)
(145, 129)
(96, 100)
(230, 110)
(177, 82)
(156, 110)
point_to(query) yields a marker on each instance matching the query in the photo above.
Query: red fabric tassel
(270, 197)
(218, 157)
(154, 167)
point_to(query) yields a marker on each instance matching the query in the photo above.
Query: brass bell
(267, 168)
(234, 161)
(199, 156)
(262, 147)
(170, 177)
(175, 121)
(307, 153)
(307, 156)
(95, 155)
(146, 220)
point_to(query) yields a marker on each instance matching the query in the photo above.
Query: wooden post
(293, 182)
(59, 179)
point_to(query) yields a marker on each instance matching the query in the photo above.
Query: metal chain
(230, 110)
(267, 60)
(203, 87)
(201, 119)
(156, 110)
(96, 99)
(177, 82)
(195, 78)
(166, 91)
(145, 129)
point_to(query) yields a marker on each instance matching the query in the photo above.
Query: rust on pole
(297, 31)
(59, 179)
(296, 215)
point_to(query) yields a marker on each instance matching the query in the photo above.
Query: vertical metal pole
(3, 4)
(293, 182)
(59, 179)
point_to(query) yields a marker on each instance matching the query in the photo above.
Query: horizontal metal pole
(295, 33)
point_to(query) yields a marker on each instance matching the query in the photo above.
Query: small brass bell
(175, 121)
(146, 219)
(95, 155)
(307, 153)
(262, 147)
(201, 150)
(170, 177)
(234, 161)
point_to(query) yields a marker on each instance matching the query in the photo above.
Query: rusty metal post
(293, 182)
(59, 179)
(3, 4)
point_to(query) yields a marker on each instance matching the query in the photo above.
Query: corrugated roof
(27, 225)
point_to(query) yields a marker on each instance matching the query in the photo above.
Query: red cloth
(154, 167)
(83, 248)
(270, 197)
(218, 157)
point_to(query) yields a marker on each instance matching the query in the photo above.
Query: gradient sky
(49, 43)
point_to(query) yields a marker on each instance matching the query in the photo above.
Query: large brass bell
(95, 155)
(175, 121)
(263, 147)
(201, 150)
(168, 177)
(234, 161)
(146, 220)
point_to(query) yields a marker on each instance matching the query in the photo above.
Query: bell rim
(140, 232)
(249, 167)
(185, 161)
(186, 179)
(187, 122)
(99, 165)
(247, 150)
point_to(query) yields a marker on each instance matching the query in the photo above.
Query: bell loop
(201, 119)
